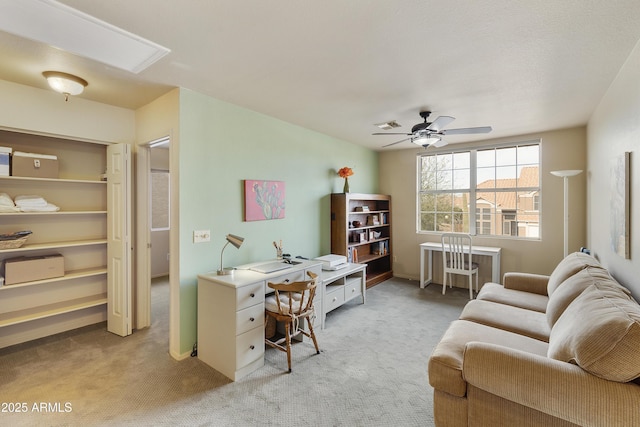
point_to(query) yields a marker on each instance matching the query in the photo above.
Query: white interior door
(119, 239)
(143, 239)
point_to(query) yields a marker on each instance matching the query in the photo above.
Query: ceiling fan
(431, 133)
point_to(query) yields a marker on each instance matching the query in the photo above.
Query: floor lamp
(565, 174)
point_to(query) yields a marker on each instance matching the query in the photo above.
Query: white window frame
(472, 191)
(160, 211)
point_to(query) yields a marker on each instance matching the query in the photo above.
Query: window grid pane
(504, 202)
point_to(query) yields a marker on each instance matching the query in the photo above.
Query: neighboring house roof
(529, 177)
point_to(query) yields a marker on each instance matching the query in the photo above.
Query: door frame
(143, 246)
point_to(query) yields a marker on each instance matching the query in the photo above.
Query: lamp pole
(565, 174)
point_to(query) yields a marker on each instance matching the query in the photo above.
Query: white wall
(614, 129)
(45, 111)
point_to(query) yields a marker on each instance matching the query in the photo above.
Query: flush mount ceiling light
(68, 29)
(66, 84)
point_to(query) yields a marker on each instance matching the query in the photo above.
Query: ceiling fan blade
(466, 131)
(397, 142)
(440, 122)
(440, 143)
(390, 133)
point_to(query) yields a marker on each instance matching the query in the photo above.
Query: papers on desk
(334, 267)
(270, 267)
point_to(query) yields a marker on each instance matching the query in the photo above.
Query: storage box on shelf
(361, 230)
(78, 232)
(34, 165)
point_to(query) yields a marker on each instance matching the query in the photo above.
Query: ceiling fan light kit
(426, 140)
(427, 134)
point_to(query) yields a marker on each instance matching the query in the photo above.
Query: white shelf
(17, 214)
(367, 212)
(41, 312)
(69, 275)
(56, 245)
(58, 180)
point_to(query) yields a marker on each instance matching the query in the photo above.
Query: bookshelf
(361, 230)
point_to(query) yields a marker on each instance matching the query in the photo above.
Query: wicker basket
(13, 243)
(269, 327)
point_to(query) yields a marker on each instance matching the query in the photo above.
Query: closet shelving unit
(78, 231)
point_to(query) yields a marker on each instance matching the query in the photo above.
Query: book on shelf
(380, 248)
(352, 255)
(364, 208)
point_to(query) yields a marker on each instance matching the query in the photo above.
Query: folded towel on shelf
(31, 203)
(23, 201)
(6, 200)
(49, 207)
(6, 204)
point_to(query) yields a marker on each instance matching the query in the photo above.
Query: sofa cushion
(445, 363)
(529, 323)
(600, 332)
(570, 289)
(497, 293)
(569, 266)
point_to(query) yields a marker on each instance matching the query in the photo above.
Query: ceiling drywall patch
(65, 28)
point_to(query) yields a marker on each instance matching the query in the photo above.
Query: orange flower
(345, 172)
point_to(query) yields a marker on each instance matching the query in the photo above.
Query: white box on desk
(332, 261)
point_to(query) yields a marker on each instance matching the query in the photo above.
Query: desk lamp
(235, 241)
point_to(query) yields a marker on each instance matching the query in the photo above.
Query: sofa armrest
(526, 282)
(560, 389)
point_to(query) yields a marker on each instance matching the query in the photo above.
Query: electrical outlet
(200, 236)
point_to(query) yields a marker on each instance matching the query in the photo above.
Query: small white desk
(342, 285)
(429, 247)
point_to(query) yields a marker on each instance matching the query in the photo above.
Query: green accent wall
(219, 146)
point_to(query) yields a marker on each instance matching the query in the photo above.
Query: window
(445, 192)
(160, 200)
(488, 191)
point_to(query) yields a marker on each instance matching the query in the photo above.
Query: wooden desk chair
(292, 304)
(456, 259)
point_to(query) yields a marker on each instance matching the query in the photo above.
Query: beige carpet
(372, 371)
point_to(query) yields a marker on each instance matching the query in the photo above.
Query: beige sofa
(558, 350)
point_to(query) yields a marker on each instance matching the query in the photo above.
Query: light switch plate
(200, 236)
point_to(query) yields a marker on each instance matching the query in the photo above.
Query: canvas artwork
(263, 200)
(620, 192)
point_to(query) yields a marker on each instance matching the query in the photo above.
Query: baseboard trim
(407, 277)
(180, 356)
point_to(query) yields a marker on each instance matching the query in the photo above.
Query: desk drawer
(353, 288)
(249, 318)
(334, 298)
(249, 347)
(296, 276)
(247, 296)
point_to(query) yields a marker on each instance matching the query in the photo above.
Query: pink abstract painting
(263, 200)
